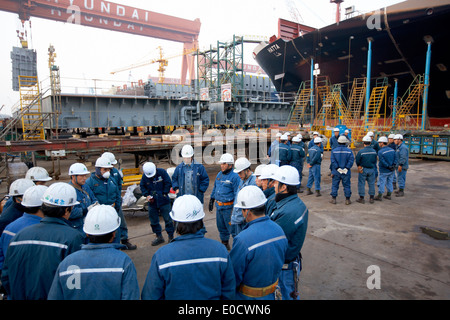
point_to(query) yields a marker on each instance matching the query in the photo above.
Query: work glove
(211, 204)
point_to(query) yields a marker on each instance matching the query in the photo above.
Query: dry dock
(344, 241)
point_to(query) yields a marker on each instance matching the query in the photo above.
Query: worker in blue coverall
(297, 158)
(334, 139)
(268, 186)
(291, 215)
(79, 174)
(341, 163)
(393, 145)
(15, 210)
(223, 194)
(190, 177)
(117, 176)
(104, 187)
(312, 142)
(284, 151)
(31, 201)
(387, 161)
(402, 164)
(242, 168)
(191, 267)
(261, 243)
(25, 275)
(314, 162)
(272, 153)
(155, 186)
(99, 271)
(366, 160)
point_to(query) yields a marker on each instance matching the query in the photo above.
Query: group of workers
(57, 241)
(390, 153)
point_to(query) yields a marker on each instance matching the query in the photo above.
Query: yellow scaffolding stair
(302, 101)
(406, 105)
(356, 98)
(372, 113)
(30, 108)
(333, 106)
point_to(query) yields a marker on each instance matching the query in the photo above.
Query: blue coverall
(403, 161)
(284, 153)
(314, 159)
(191, 267)
(225, 190)
(386, 165)
(367, 159)
(14, 212)
(38, 250)
(86, 198)
(237, 219)
(12, 229)
(297, 158)
(261, 243)
(341, 157)
(158, 187)
(200, 181)
(96, 272)
(291, 215)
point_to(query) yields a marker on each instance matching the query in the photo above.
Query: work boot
(400, 193)
(225, 243)
(347, 201)
(361, 200)
(308, 191)
(333, 200)
(379, 197)
(394, 184)
(170, 238)
(299, 190)
(318, 193)
(371, 200)
(158, 240)
(387, 196)
(128, 245)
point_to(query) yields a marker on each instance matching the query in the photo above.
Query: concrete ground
(346, 243)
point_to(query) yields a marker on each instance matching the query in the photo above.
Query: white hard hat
(346, 131)
(241, 164)
(315, 133)
(149, 169)
(391, 136)
(110, 156)
(336, 130)
(101, 219)
(370, 134)
(103, 162)
(250, 197)
(37, 174)
(317, 140)
(187, 151)
(300, 136)
(170, 171)
(287, 175)
(398, 137)
(366, 139)
(187, 208)
(279, 134)
(382, 139)
(296, 139)
(78, 169)
(60, 194)
(287, 133)
(18, 187)
(259, 169)
(33, 196)
(342, 139)
(226, 158)
(268, 171)
(284, 137)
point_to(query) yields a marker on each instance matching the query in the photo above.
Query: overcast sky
(85, 53)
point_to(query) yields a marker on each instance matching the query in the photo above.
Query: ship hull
(399, 36)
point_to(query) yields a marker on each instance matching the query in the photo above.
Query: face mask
(106, 175)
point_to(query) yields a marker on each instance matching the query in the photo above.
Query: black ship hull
(399, 36)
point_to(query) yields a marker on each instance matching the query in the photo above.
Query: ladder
(372, 113)
(302, 101)
(357, 97)
(30, 108)
(408, 101)
(333, 105)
